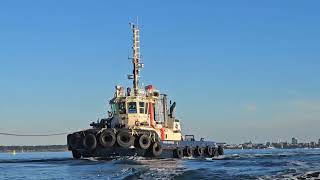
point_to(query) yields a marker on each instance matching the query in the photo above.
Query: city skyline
(239, 71)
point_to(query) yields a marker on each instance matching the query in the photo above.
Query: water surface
(236, 164)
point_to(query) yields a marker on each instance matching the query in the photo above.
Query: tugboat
(140, 122)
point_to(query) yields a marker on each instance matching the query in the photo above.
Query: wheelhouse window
(113, 108)
(132, 107)
(122, 107)
(141, 107)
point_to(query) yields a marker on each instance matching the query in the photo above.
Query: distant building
(294, 141)
(319, 142)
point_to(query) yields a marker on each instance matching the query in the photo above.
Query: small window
(122, 107)
(132, 107)
(146, 109)
(141, 107)
(113, 108)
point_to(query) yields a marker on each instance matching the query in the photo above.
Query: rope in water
(13, 134)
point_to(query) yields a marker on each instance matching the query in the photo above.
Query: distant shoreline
(38, 148)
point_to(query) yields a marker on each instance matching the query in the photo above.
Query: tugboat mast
(136, 58)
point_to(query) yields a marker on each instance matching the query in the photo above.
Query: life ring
(125, 139)
(107, 138)
(156, 149)
(199, 151)
(188, 151)
(74, 140)
(90, 142)
(178, 153)
(144, 141)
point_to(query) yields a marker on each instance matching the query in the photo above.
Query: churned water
(236, 164)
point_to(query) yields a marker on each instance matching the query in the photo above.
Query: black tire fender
(107, 138)
(215, 152)
(178, 153)
(199, 151)
(90, 142)
(220, 150)
(156, 149)
(144, 141)
(68, 142)
(125, 139)
(209, 151)
(76, 154)
(188, 151)
(74, 140)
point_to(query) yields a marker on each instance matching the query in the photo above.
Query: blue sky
(239, 70)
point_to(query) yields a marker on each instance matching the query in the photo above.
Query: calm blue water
(236, 164)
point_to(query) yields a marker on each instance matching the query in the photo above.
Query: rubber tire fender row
(144, 141)
(74, 140)
(199, 151)
(125, 139)
(178, 153)
(90, 142)
(107, 138)
(156, 149)
(188, 151)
